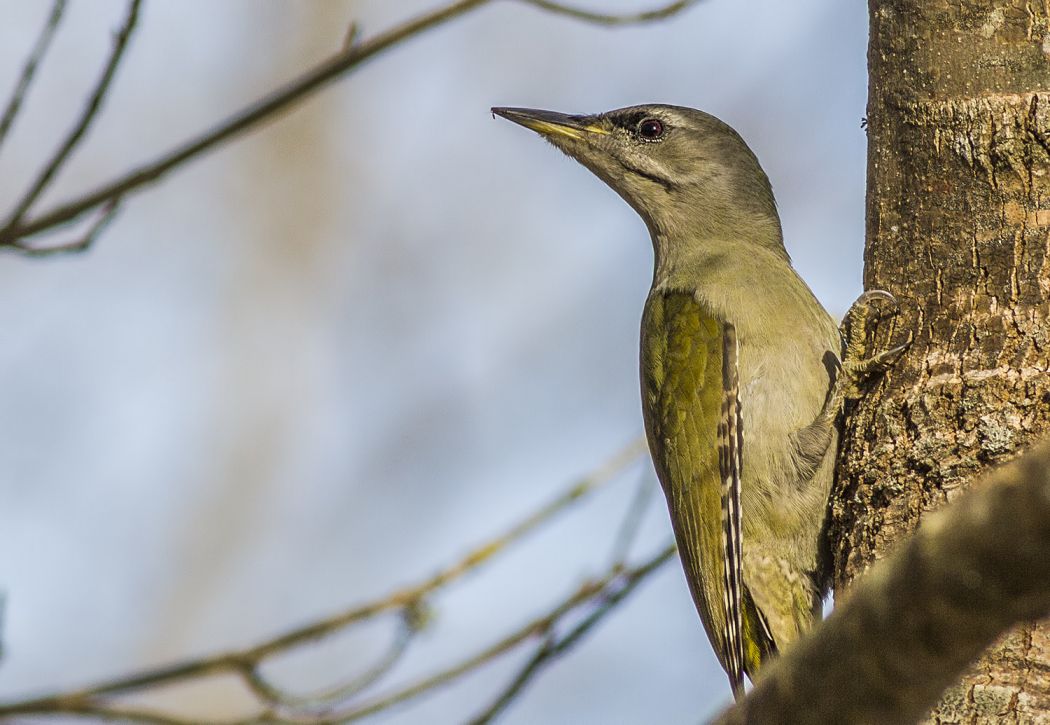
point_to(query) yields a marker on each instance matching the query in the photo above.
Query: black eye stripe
(631, 121)
(667, 184)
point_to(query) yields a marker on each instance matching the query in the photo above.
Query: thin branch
(645, 16)
(604, 593)
(25, 79)
(264, 109)
(552, 648)
(535, 628)
(353, 33)
(67, 147)
(244, 663)
(267, 107)
(77, 245)
(113, 713)
(633, 517)
(471, 561)
(333, 696)
(380, 669)
(542, 626)
(915, 621)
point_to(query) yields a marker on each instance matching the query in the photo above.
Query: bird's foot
(857, 370)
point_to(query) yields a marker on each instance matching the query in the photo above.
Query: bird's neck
(733, 275)
(708, 228)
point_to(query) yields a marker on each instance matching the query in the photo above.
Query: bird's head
(688, 174)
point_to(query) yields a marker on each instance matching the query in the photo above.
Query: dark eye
(651, 129)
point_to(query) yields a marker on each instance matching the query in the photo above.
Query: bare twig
(353, 33)
(411, 623)
(540, 627)
(77, 245)
(553, 647)
(393, 655)
(114, 713)
(413, 595)
(604, 594)
(245, 663)
(632, 519)
(25, 79)
(120, 44)
(266, 108)
(645, 16)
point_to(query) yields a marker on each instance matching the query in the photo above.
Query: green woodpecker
(739, 370)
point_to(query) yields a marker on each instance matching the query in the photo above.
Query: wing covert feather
(690, 400)
(682, 395)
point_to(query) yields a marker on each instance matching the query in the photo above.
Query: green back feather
(681, 366)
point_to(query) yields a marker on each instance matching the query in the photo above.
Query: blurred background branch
(16, 230)
(352, 699)
(25, 78)
(82, 124)
(595, 599)
(307, 370)
(617, 585)
(644, 16)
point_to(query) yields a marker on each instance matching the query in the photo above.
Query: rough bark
(959, 230)
(918, 618)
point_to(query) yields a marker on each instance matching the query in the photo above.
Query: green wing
(683, 391)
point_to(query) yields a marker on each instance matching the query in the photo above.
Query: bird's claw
(877, 294)
(856, 368)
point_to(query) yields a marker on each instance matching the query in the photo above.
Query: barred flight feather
(730, 463)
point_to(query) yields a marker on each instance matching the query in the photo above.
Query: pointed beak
(551, 123)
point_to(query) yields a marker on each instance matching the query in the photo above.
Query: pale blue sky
(327, 359)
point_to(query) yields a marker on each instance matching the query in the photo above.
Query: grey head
(689, 176)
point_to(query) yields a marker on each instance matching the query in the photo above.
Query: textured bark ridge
(959, 230)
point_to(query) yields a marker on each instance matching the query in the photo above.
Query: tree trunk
(958, 225)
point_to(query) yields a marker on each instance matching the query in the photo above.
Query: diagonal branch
(412, 622)
(916, 620)
(266, 109)
(245, 663)
(91, 110)
(471, 561)
(79, 244)
(557, 646)
(620, 584)
(631, 523)
(644, 16)
(262, 110)
(25, 79)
